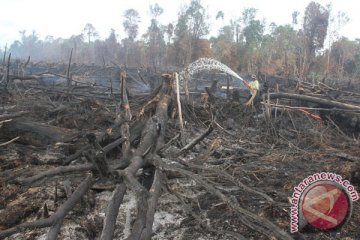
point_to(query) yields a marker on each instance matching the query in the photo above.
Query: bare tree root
(58, 216)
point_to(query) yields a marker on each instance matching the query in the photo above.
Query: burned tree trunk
(321, 101)
(35, 133)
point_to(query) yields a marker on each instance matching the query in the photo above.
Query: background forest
(309, 48)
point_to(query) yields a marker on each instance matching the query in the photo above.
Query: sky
(63, 18)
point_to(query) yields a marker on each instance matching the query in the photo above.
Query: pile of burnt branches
(326, 102)
(99, 139)
(132, 153)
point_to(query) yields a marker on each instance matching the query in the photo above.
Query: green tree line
(308, 48)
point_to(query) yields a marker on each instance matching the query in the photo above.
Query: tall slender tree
(336, 22)
(90, 32)
(155, 37)
(131, 27)
(131, 23)
(315, 25)
(191, 26)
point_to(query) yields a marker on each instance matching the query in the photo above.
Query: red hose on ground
(314, 116)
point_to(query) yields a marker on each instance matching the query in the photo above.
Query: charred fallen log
(36, 134)
(320, 101)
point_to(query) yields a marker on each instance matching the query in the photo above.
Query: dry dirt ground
(266, 156)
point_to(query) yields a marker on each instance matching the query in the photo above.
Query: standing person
(254, 88)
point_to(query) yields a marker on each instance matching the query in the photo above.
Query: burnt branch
(204, 190)
(113, 145)
(155, 193)
(150, 137)
(203, 224)
(228, 177)
(321, 101)
(246, 217)
(56, 171)
(12, 115)
(58, 216)
(124, 129)
(54, 231)
(112, 211)
(196, 140)
(76, 155)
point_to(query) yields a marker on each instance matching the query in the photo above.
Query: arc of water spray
(208, 64)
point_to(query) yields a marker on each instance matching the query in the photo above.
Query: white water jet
(207, 64)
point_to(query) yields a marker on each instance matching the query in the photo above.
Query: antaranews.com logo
(323, 201)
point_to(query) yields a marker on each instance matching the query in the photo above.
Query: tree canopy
(303, 47)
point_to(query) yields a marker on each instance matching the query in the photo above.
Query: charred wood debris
(68, 134)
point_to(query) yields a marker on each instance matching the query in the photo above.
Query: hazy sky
(63, 18)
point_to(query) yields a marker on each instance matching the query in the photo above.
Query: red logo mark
(325, 206)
